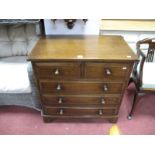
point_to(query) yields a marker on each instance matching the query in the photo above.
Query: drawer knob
(100, 112)
(105, 88)
(60, 100)
(56, 72)
(58, 87)
(108, 71)
(61, 112)
(102, 101)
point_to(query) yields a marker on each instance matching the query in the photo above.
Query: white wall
(91, 27)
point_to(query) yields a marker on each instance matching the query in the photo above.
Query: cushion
(17, 33)
(19, 48)
(148, 79)
(13, 59)
(17, 40)
(30, 31)
(14, 75)
(3, 33)
(5, 49)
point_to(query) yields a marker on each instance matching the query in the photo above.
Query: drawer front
(80, 87)
(75, 100)
(106, 71)
(77, 111)
(58, 70)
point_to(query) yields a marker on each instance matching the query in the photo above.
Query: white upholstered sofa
(17, 84)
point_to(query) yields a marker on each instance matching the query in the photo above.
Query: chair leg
(133, 106)
(130, 80)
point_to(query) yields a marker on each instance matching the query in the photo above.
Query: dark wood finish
(80, 100)
(58, 70)
(137, 77)
(82, 76)
(50, 118)
(80, 87)
(150, 51)
(67, 111)
(82, 48)
(107, 71)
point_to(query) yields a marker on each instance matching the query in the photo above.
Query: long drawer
(58, 70)
(80, 100)
(80, 87)
(78, 111)
(106, 71)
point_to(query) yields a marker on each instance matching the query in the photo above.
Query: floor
(20, 120)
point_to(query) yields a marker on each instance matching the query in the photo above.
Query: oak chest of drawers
(82, 76)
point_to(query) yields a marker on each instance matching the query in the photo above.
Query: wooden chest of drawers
(82, 77)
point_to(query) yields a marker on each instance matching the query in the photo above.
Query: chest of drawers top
(70, 48)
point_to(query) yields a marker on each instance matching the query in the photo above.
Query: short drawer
(77, 111)
(80, 100)
(76, 87)
(57, 70)
(107, 71)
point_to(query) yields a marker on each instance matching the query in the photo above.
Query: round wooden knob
(102, 101)
(105, 88)
(60, 100)
(61, 112)
(108, 71)
(100, 112)
(56, 72)
(58, 87)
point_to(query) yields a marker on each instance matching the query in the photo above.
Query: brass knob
(102, 101)
(60, 100)
(108, 71)
(56, 72)
(58, 87)
(105, 88)
(100, 112)
(61, 112)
